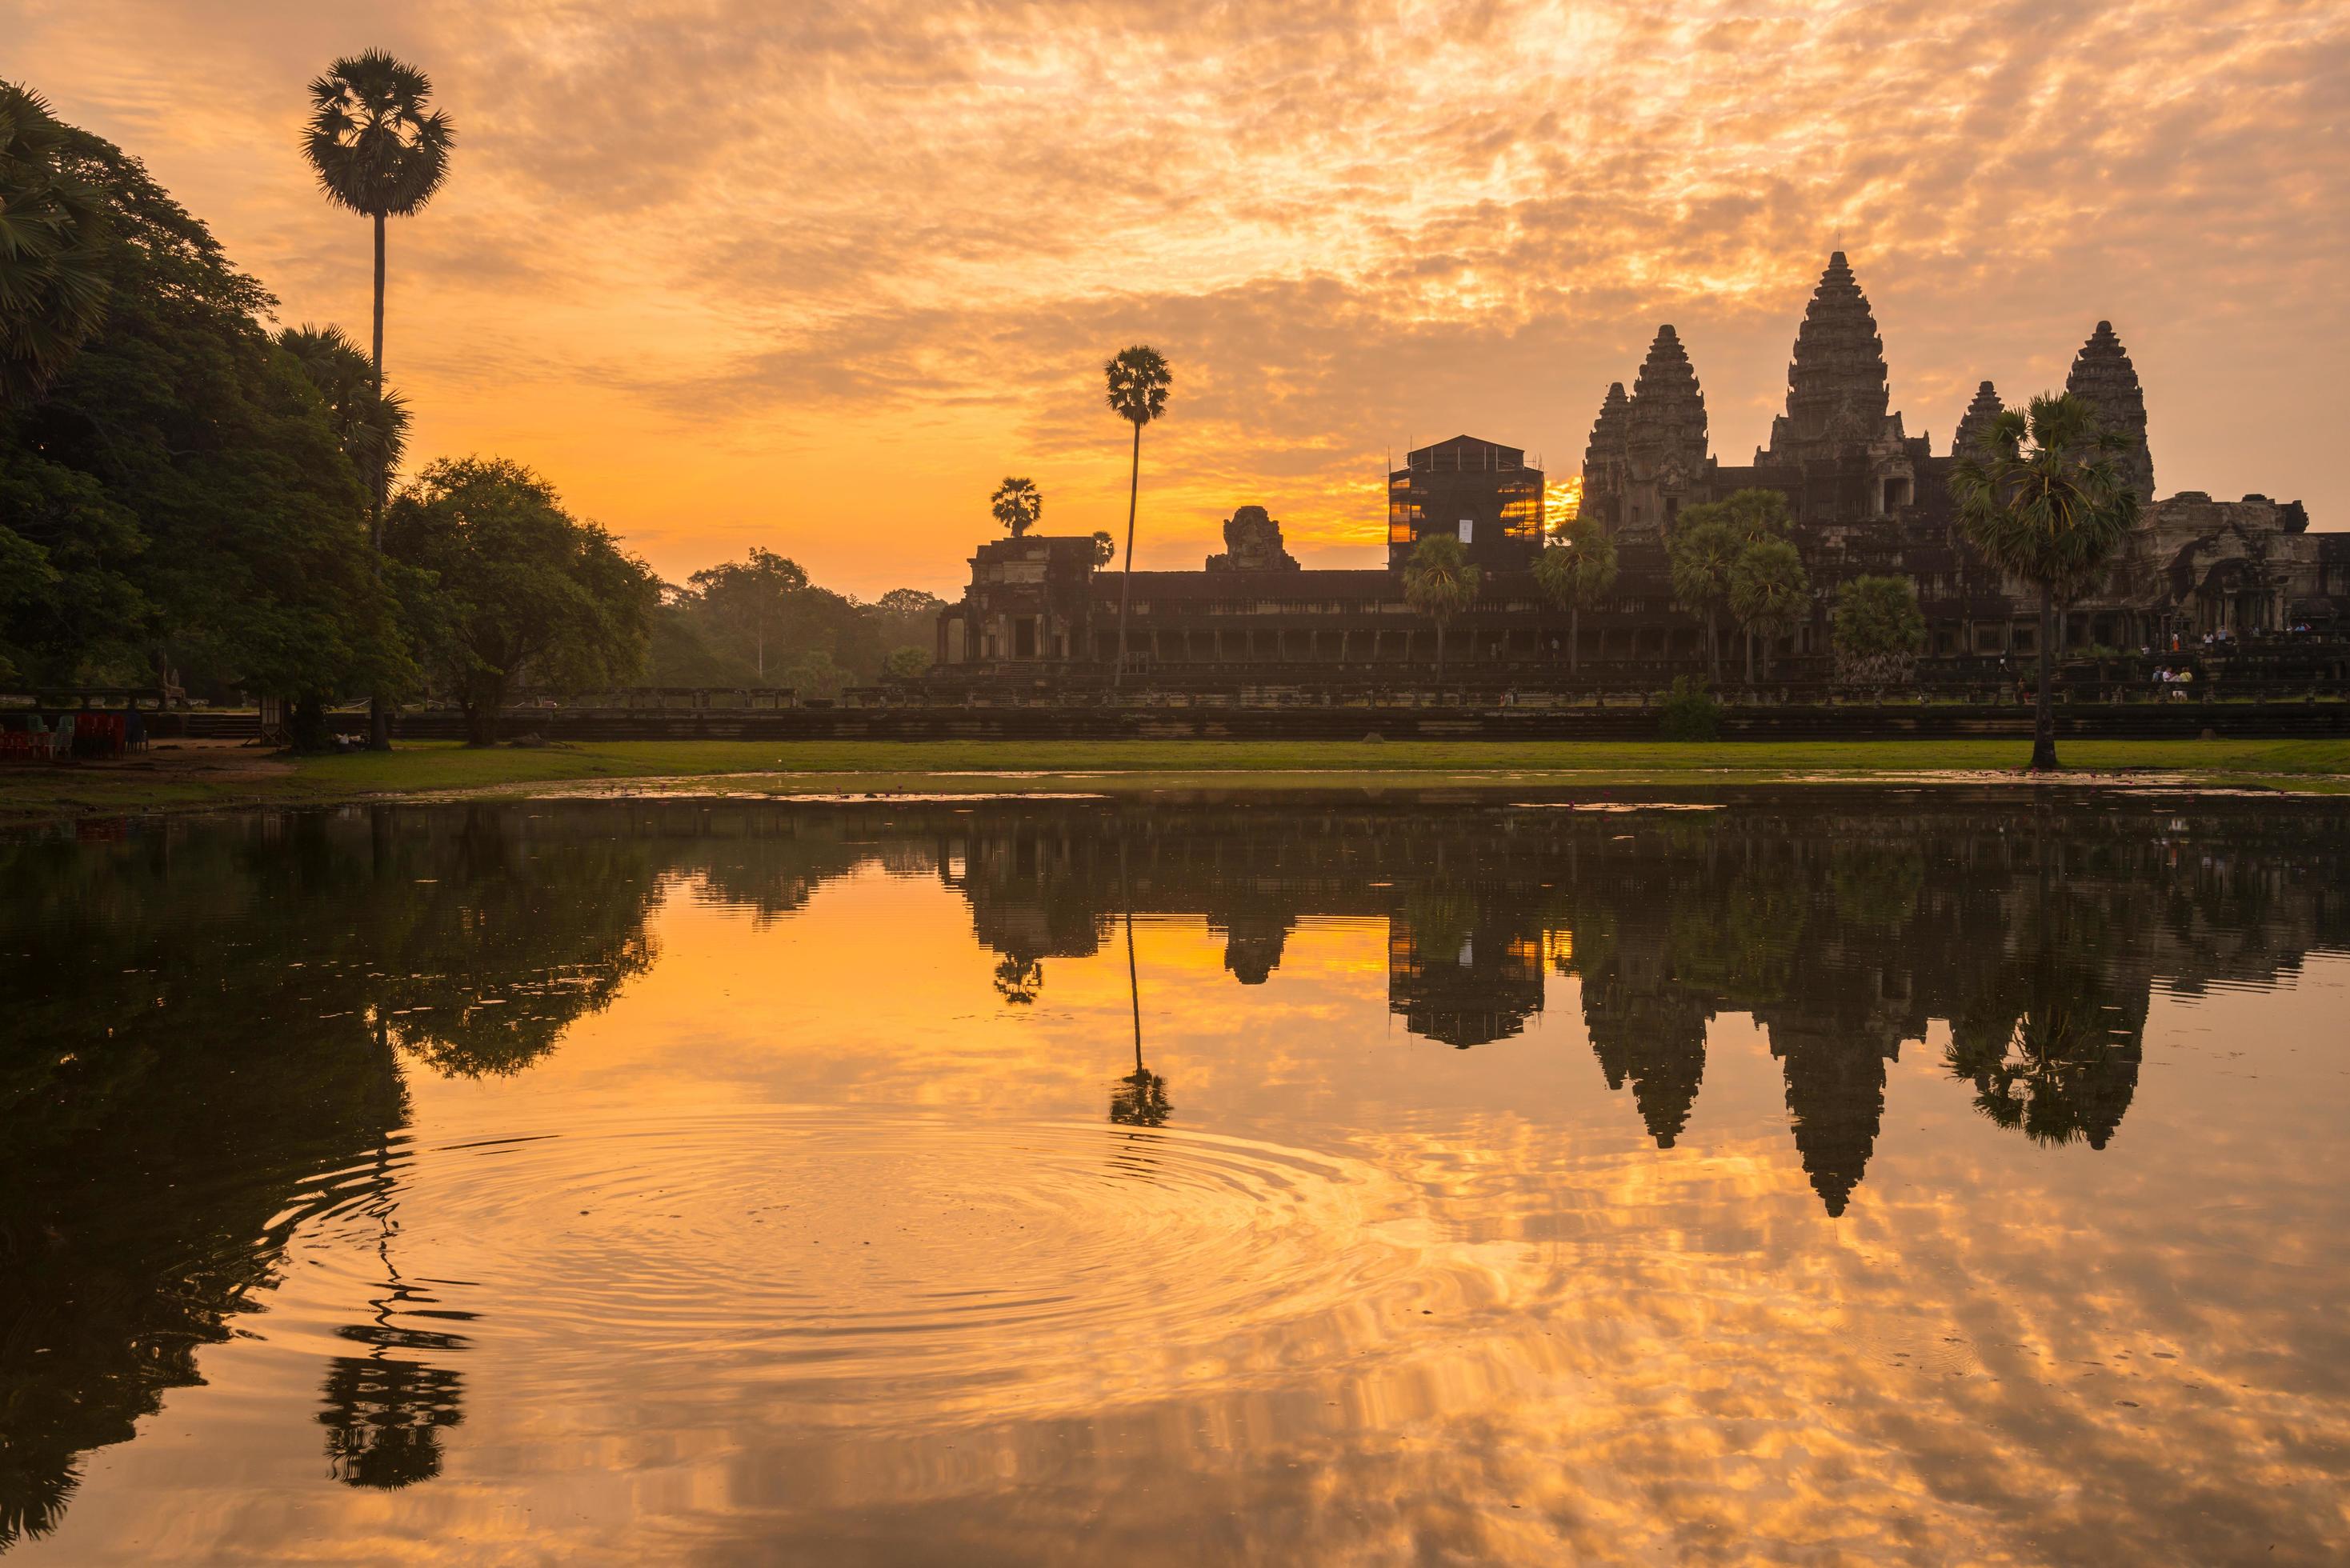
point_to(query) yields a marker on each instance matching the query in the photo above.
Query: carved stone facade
(1252, 543)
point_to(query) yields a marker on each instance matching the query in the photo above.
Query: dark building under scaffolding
(1479, 491)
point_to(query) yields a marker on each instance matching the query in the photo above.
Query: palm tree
(1017, 504)
(1440, 583)
(53, 236)
(381, 153)
(2051, 512)
(1105, 548)
(1770, 595)
(372, 424)
(1577, 570)
(1702, 554)
(1138, 380)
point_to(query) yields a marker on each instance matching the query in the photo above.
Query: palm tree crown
(52, 249)
(1017, 504)
(376, 148)
(1138, 380)
(2054, 513)
(373, 425)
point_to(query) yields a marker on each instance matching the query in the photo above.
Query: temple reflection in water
(225, 1021)
(1842, 937)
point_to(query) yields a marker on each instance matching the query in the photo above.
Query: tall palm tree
(1770, 595)
(1440, 583)
(1138, 379)
(53, 236)
(1017, 504)
(1576, 570)
(2043, 493)
(381, 152)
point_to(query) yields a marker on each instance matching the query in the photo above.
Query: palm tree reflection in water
(1140, 1098)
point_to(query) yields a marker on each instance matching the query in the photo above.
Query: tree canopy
(179, 495)
(521, 590)
(1876, 626)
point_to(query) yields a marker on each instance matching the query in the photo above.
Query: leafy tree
(1138, 379)
(1753, 514)
(1017, 504)
(1770, 594)
(2042, 494)
(907, 664)
(1440, 583)
(816, 674)
(751, 597)
(53, 233)
(181, 483)
(1576, 572)
(1105, 548)
(521, 588)
(1702, 554)
(1877, 627)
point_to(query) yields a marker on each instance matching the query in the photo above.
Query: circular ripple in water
(885, 1257)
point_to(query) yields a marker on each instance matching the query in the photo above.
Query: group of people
(2177, 679)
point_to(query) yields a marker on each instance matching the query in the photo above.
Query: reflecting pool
(1833, 1176)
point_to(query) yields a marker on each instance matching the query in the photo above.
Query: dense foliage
(1878, 630)
(178, 499)
(761, 622)
(520, 588)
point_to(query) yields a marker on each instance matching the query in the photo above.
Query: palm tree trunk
(379, 716)
(1440, 654)
(1126, 575)
(2043, 712)
(1133, 985)
(1574, 638)
(1750, 657)
(1713, 644)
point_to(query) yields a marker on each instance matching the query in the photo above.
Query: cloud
(1351, 223)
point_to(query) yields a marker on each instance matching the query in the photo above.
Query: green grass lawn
(805, 767)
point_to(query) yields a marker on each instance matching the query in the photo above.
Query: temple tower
(1981, 412)
(1664, 436)
(2103, 377)
(1606, 460)
(1836, 396)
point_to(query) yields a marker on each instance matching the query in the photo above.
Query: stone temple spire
(2103, 377)
(1607, 458)
(1981, 412)
(1664, 425)
(1835, 383)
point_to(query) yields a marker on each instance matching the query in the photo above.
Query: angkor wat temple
(1867, 496)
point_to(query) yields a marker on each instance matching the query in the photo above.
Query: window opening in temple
(1896, 495)
(1468, 527)
(1024, 637)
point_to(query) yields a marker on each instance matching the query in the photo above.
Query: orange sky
(815, 276)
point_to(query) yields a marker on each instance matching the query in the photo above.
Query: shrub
(1689, 712)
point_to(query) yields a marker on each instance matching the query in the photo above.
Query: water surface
(1831, 1177)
